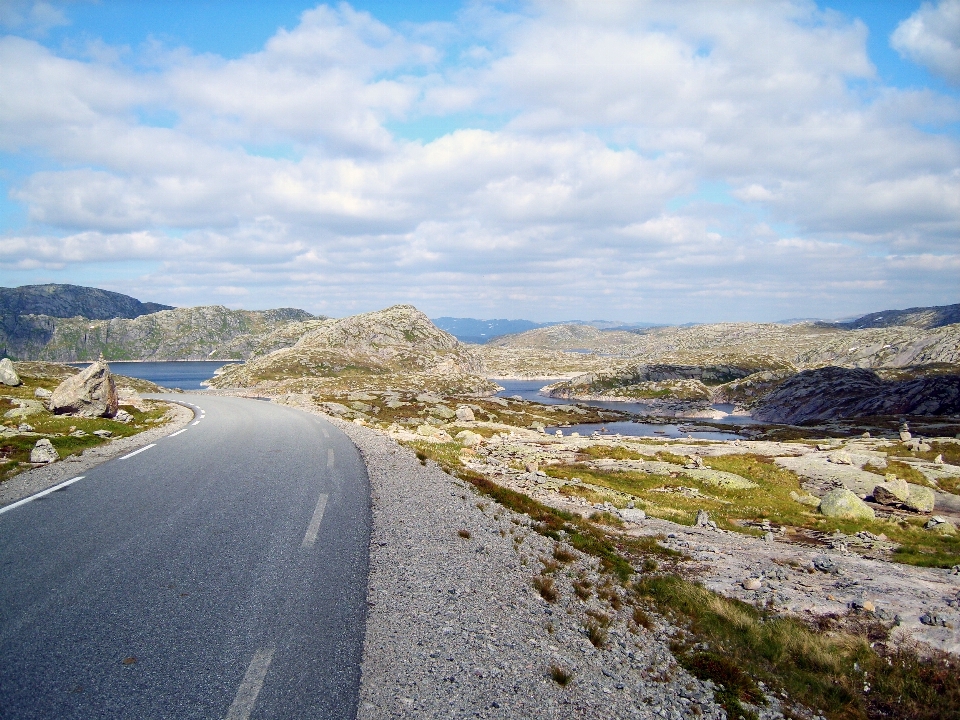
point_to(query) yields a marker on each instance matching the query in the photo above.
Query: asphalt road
(220, 573)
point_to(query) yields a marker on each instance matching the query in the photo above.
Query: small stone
(866, 434)
(869, 606)
(769, 537)
(559, 433)
(123, 416)
(102, 433)
(44, 452)
(465, 414)
(42, 393)
(25, 427)
(938, 460)
(751, 584)
(905, 435)
(703, 519)
(532, 466)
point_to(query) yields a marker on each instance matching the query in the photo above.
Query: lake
(183, 374)
(529, 390)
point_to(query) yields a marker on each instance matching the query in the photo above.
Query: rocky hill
(831, 392)
(199, 333)
(393, 348)
(921, 317)
(64, 301)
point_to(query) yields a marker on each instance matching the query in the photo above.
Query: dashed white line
(137, 452)
(177, 432)
(196, 422)
(314, 527)
(329, 457)
(49, 490)
(250, 685)
(324, 431)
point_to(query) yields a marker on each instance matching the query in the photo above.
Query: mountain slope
(919, 317)
(395, 347)
(65, 301)
(199, 333)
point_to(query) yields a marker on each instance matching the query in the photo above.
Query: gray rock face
(8, 376)
(841, 503)
(44, 452)
(465, 414)
(92, 393)
(832, 392)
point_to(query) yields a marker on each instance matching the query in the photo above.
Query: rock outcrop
(397, 347)
(91, 393)
(832, 392)
(8, 375)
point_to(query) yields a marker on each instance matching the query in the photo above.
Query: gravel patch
(455, 627)
(40, 478)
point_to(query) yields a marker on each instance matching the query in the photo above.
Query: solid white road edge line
(314, 527)
(40, 494)
(177, 433)
(329, 457)
(137, 452)
(250, 685)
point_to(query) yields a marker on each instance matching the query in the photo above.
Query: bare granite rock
(91, 393)
(44, 452)
(8, 376)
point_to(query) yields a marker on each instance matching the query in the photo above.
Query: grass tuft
(546, 587)
(561, 676)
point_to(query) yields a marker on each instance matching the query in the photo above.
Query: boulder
(91, 393)
(921, 499)
(840, 458)
(465, 414)
(43, 393)
(941, 525)
(26, 409)
(361, 406)
(469, 438)
(123, 416)
(703, 519)
(442, 411)
(8, 376)
(44, 452)
(634, 515)
(893, 492)
(841, 503)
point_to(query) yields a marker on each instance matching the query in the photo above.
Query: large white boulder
(44, 452)
(841, 503)
(91, 393)
(8, 376)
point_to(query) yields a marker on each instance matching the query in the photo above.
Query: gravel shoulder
(456, 629)
(40, 478)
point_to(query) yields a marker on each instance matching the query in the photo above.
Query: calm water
(186, 375)
(529, 390)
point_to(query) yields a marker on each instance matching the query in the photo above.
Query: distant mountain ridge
(478, 332)
(65, 301)
(919, 317)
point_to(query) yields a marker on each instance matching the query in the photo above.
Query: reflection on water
(529, 390)
(183, 374)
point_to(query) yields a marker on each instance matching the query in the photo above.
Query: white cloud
(931, 37)
(277, 171)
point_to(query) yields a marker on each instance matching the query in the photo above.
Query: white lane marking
(49, 490)
(137, 452)
(325, 433)
(196, 422)
(314, 527)
(329, 457)
(177, 433)
(250, 685)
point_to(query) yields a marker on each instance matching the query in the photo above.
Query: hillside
(65, 301)
(199, 333)
(393, 348)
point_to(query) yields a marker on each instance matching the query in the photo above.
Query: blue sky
(653, 161)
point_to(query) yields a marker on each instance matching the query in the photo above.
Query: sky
(639, 161)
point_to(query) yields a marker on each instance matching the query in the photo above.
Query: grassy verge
(845, 674)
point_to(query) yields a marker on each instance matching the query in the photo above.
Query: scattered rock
(703, 519)
(825, 563)
(893, 492)
(465, 414)
(42, 393)
(26, 409)
(921, 499)
(469, 438)
(634, 515)
(840, 458)
(102, 433)
(938, 460)
(360, 406)
(25, 427)
(751, 584)
(841, 503)
(123, 416)
(44, 452)
(905, 435)
(92, 393)
(934, 619)
(8, 376)
(941, 525)
(532, 466)
(443, 412)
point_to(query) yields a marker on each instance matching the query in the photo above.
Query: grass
(902, 471)
(547, 588)
(561, 676)
(736, 645)
(741, 510)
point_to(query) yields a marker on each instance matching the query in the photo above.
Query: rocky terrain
(388, 350)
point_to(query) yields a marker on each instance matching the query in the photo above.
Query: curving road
(219, 573)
